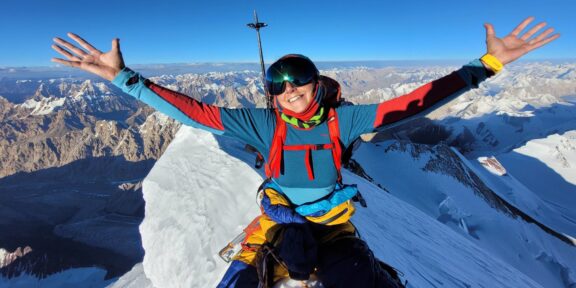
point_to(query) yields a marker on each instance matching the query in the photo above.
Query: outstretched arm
(110, 66)
(436, 93)
(251, 126)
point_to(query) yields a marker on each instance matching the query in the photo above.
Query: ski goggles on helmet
(296, 69)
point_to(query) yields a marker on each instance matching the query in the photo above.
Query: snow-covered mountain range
(459, 225)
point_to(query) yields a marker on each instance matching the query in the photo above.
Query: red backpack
(332, 99)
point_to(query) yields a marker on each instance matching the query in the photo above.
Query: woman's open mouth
(294, 98)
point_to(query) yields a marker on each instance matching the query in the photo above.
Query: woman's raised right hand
(106, 65)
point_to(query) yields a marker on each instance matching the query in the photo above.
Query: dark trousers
(343, 262)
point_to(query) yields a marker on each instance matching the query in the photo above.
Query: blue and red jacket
(256, 126)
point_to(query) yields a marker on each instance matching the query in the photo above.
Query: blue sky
(215, 30)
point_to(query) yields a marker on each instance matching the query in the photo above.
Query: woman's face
(296, 99)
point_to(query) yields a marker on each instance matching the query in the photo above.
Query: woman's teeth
(294, 98)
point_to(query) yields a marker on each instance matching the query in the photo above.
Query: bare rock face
(51, 123)
(63, 122)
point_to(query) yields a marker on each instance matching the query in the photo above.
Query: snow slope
(546, 167)
(198, 197)
(439, 182)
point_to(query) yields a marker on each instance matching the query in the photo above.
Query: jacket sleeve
(366, 118)
(251, 126)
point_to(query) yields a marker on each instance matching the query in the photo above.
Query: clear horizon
(254, 62)
(152, 70)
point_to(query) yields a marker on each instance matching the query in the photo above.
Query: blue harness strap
(342, 194)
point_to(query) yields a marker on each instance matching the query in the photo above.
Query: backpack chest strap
(309, 147)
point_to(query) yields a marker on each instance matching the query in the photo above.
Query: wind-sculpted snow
(199, 197)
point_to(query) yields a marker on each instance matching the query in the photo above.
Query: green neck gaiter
(314, 120)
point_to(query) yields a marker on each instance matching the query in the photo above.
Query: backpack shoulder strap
(274, 164)
(335, 139)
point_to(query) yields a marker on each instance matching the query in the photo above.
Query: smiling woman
(305, 227)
